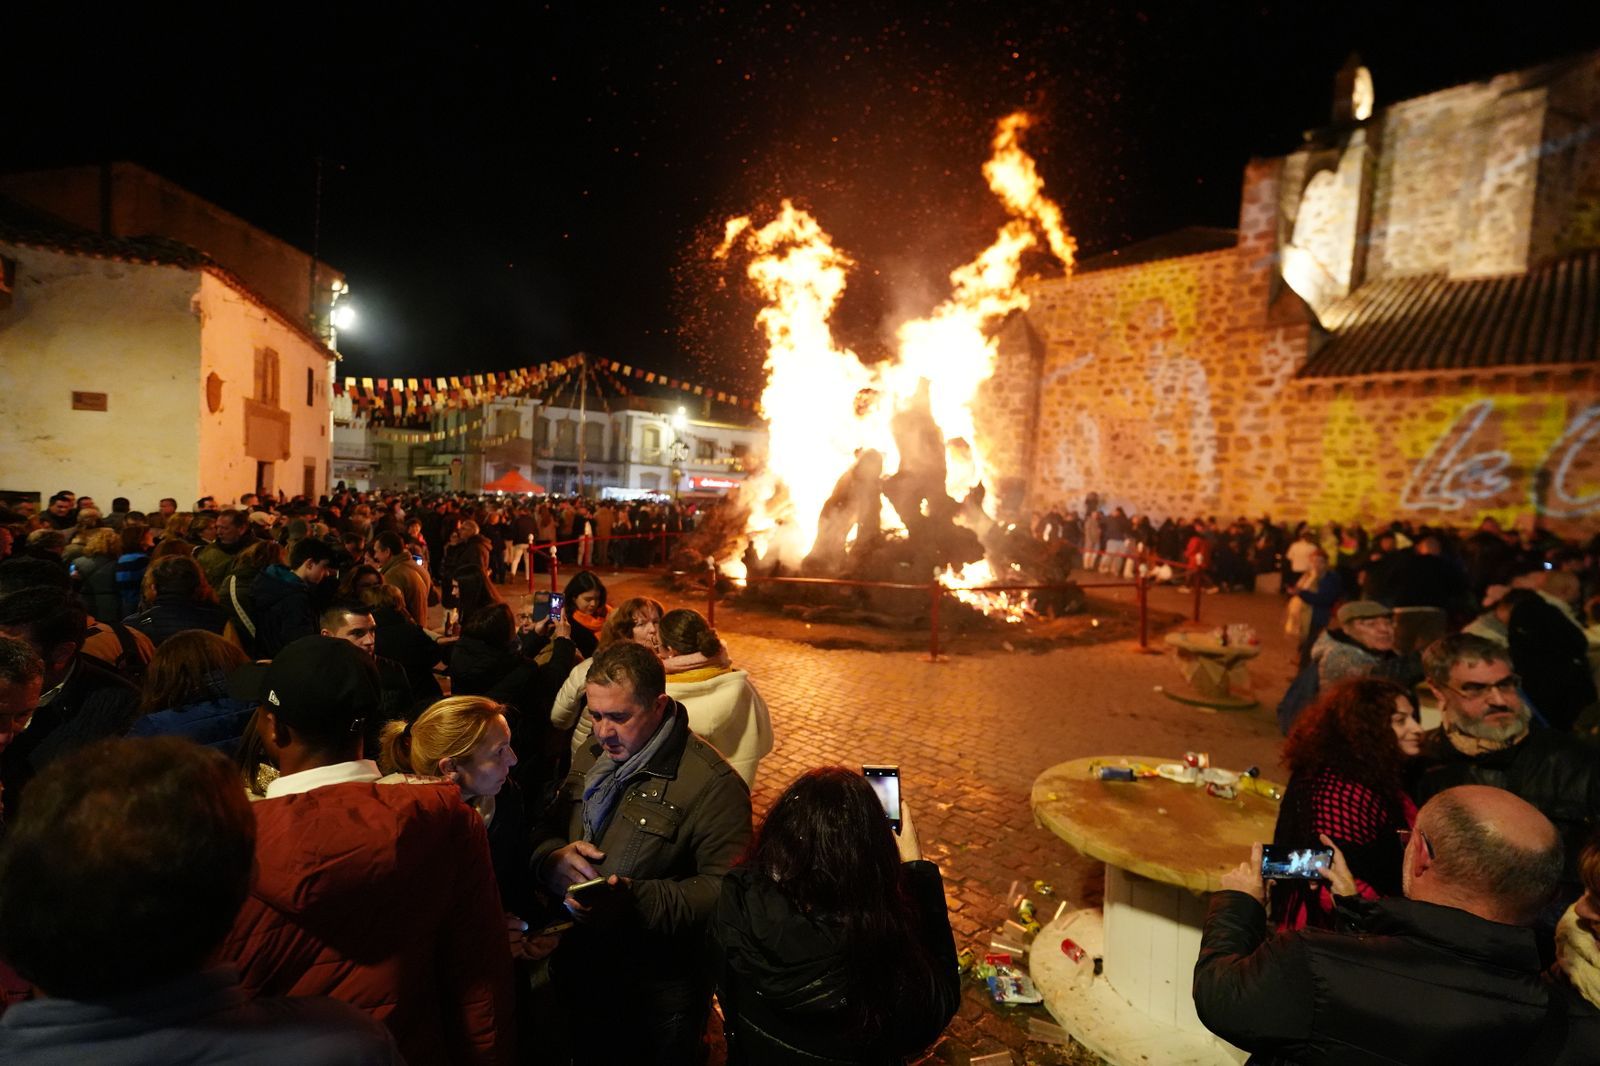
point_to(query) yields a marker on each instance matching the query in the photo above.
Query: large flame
(824, 406)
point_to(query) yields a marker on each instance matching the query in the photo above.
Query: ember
(875, 471)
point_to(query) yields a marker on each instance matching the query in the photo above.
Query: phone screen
(1283, 862)
(557, 603)
(885, 781)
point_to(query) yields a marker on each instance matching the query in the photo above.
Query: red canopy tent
(513, 481)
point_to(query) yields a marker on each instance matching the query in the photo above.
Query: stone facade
(1174, 387)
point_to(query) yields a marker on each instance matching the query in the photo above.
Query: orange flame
(813, 400)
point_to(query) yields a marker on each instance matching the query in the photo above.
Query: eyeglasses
(1405, 838)
(1477, 690)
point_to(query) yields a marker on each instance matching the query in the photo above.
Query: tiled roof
(1190, 240)
(1547, 317)
(26, 226)
(20, 224)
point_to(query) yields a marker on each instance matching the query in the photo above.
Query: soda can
(997, 958)
(1071, 950)
(1200, 760)
(1044, 888)
(965, 960)
(1114, 773)
(1226, 792)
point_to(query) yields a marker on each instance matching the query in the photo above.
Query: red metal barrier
(1142, 592)
(711, 594)
(529, 559)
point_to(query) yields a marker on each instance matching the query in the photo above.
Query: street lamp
(680, 451)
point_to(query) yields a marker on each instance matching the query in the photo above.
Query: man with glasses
(1362, 646)
(1450, 972)
(1486, 738)
(21, 682)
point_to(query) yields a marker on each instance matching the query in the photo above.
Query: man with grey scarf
(661, 816)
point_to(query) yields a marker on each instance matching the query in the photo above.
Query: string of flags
(420, 398)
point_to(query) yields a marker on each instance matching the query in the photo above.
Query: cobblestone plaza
(970, 735)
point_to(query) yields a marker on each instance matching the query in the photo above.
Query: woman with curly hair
(1346, 757)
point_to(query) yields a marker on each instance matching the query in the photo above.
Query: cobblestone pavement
(971, 734)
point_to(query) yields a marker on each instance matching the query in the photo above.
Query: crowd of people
(1464, 872)
(255, 807)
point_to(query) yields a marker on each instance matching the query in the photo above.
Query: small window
(706, 450)
(266, 377)
(311, 388)
(652, 438)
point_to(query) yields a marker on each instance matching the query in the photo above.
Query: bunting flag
(413, 399)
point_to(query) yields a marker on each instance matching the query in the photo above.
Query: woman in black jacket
(831, 942)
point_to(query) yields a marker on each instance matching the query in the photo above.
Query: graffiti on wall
(1472, 467)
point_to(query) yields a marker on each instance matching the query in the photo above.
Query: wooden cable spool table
(1164, 844)
(1215, 671)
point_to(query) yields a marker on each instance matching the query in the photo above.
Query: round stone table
(1164, 844)
(1215, 671)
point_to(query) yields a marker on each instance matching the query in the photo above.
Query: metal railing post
(1142, 590)
(555, 565)
(711, 594)
(528, 560)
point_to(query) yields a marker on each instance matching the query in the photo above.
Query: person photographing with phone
(655, 814)
(1449, 973)
(831, 941)
(1347, 756)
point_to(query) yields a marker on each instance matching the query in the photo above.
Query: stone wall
(1169, 387)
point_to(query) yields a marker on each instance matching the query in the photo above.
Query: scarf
(1474, 746)
(591, 622)
(603, 784)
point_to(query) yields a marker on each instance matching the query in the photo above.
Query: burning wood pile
(876, 472)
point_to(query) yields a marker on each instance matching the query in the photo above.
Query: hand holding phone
(1285, 862)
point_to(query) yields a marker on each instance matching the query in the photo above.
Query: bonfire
(875, 472)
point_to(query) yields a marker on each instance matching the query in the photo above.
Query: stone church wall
(1169, 387)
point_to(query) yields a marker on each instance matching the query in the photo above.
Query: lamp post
(680, 451)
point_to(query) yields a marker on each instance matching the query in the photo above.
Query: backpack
(130, 663)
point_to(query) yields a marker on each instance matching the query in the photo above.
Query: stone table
(1214, 671)
(1164, 844)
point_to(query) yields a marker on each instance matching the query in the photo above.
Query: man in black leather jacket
(1449, 974)
(1487, 738)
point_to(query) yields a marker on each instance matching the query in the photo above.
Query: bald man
(1450, 973)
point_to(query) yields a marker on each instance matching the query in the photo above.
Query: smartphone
(541, 606)
(557, 605)
(586, 892)
(1284, 862)
(885, 781)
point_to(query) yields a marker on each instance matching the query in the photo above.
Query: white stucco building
(145, 366)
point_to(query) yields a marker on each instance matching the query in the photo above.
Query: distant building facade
(1406, 324)
(143, 363)
(627, 445)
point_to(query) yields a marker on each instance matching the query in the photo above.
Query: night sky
(505, 188)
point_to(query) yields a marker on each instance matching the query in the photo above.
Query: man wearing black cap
(380, 895)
